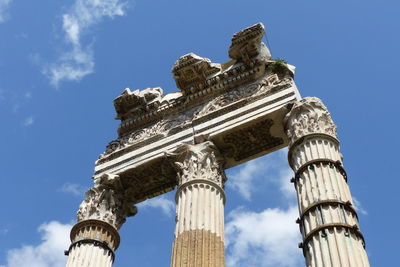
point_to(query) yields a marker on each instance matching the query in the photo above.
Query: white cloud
(166, 205)
(285, 186)
(243, 180)
(4, 4)
(358, 206)
(49, 253)
(272, 168)
(75, 64)
(264, 239)
(74, 189)
(28, 121)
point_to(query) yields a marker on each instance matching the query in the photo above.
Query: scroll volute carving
(201, 161)
(308, 116)
(105, 201)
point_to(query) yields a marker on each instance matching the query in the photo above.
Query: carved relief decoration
(308, 116)
(134, 103)
(191, 72)
(149, 181)
(200, 161)
(262, 87)
(251, 140)
(105, 201)
(175, 123)
(162, 128)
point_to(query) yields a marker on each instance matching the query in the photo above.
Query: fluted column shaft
(328, 221)
(95, 237)
(199, 232)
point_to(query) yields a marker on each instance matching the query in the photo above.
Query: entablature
(239, 106)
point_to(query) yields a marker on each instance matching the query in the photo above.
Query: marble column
(95, 237)
(328, 220)
(200, 199)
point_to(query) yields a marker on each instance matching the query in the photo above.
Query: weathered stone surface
(328, 220)
(309, 116)
(106, 201)
(247, 44)
(199, 236)
(198, 248)
(215, 113)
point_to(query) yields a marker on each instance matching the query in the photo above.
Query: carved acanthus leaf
(105, 201)
(308, 116)
(200, 161)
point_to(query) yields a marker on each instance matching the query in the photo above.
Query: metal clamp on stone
(313, 232)
(329, 162)
(95, 242)
(347, 205)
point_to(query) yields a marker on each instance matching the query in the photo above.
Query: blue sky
(63, 62)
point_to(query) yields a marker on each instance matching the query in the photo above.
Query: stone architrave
(95, 237)
(328, 220)
(200, 199)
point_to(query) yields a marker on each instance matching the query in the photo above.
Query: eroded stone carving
(130, 104)
(251, 140)
(191, 72)
(308, 116)
(199, 161)
(258, 88)
(247, 44)
(106, 201)
(174, 123)
(162, 128)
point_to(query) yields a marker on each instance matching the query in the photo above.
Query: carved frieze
(174, 123)
(201, 161)
(106, 201)
(160, 129)
(308, 116)
(266, 85)
(251, 140)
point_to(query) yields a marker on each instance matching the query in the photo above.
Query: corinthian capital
(106, 201)
(198, 162)
(308, 116)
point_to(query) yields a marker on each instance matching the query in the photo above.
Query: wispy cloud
(13, 101)
(166, 205)
(358, 206)
(243, 180)
(28, 121)
(4, 5)
(49, 253)
(78, 61)
(267, 238)
(74, 189)
(268, 169)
